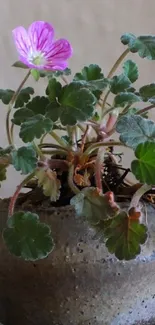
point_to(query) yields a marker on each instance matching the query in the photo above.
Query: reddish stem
(16, 194)
(98, 169)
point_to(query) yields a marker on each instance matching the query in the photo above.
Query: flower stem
(16, 194)
(12, 101)
(98, 167)
(38, 150)
(104, 100)
(145, 109)
(58, 139)
(97, 145)
(73, 187)
(139, 193)
(117, 63)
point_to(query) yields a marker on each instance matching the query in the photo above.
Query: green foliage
(144, 166)
(6, 151)
(134, 129)
(2, 173)
(148, 93)
(24, 96)
(21, 115)
(126, 98)
(49, 182)
(19, 64)
(91, 77)
(52, 74)
(24, 159)
(131, 70)
(124, 236)
(119, 83)
(76, 104)
(143, 45)
(35, 74)
(26, 237)
(94, 206)
(6, 95)
(35, 127)
(53, 89)
(38, 105)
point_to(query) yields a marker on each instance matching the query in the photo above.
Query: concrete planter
(79, 283)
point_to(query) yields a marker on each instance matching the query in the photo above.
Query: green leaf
(6, 95)
(77, 104)
(35, 74)
(2, 173)
(131, 70)
(5, 151)
(53, 89)
(126, 98)
(92, 78)
(144, 167)
(53, 111)
(35, 127)
(92, 72)
(51, 74)
(19, 64)
(119, 83)
(124, 236)
(24, 96)
(148, 93)
(134, 110)
(27, 237)
(94, 206)
(24, 159)
(38, 105)
(134, 129)
(143, 45)
(60, 73)
(21, 115)
(49, 182)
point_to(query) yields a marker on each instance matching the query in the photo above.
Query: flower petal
(61, 50)
(56, 65)
(21, 40)
(41, 36)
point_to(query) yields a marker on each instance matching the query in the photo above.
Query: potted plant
(60, 263)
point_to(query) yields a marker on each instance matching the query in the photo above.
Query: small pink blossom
(37, 48)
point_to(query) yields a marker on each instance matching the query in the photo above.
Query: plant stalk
(71, 184)
(12, 101)
(17, 192)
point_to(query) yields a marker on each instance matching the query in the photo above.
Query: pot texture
(79, 283)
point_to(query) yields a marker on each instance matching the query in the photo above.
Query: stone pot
(79, 283)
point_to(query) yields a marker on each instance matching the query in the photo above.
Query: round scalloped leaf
(24, 159)
(124, 236)
(77, 104)
(135, 129)
(148, 93)
(131, 70)
(119, 83)
(144, 167)
(27, 237)
(24, 96)
(21, 115)
(35, 127)
(92, 78)
(126, 98)
(94, 206)
(38, 105)
(53, 89)
(144, 45)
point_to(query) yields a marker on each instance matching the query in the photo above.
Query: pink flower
(37, 48)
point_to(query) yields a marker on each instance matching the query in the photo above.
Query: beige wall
(92, 26)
